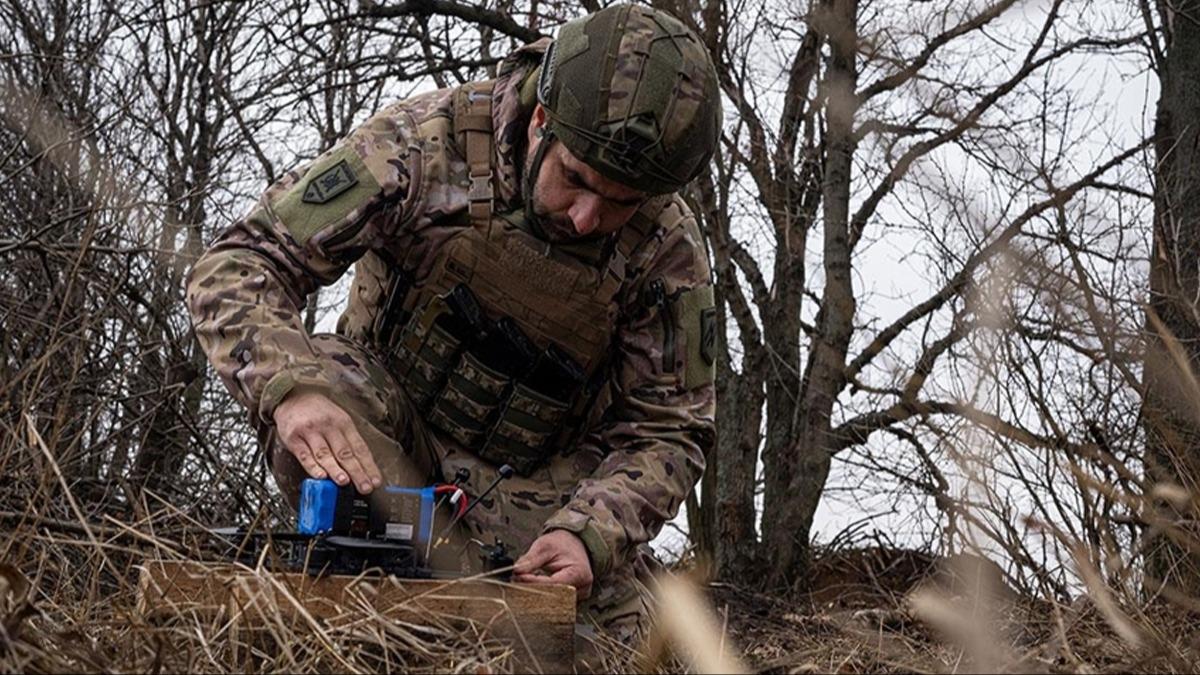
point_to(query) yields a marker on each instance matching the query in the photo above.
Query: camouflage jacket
(637, 462)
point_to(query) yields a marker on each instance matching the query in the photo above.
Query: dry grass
(68, 603)
(69, 574)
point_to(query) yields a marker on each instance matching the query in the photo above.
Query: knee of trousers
(622, 604)
(357, 380)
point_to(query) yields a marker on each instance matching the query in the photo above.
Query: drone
(389, 532)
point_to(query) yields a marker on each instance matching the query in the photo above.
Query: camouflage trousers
(409, 452)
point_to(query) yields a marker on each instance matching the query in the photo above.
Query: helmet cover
(632, 92)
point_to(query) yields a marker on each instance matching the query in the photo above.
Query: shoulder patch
(697, 316)
(331, 194)
(332, 182)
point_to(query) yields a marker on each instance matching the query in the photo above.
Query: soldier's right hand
(323, 438)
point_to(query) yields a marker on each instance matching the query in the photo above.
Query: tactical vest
(505, 344)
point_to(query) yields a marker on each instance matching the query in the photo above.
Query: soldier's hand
(322, 437)
(557, 557)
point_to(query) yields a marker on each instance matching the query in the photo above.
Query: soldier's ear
(537, 124)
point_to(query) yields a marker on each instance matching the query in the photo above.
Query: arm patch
(334, 189)
(696, 314)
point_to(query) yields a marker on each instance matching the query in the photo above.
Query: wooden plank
(536, 621)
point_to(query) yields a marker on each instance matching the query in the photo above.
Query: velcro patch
(330, 195)
(697, 316)
(331, 183)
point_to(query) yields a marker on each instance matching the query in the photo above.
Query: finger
(363, 453)
(533, 579)
(323, 454)
(299, 449)
(583, 589)
(535, 558)
(343, 450)
(572, 576)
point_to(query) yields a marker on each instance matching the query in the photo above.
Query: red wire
(446, 488)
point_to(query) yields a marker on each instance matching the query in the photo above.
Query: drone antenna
(504, 472)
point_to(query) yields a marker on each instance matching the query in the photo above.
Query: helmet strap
(530, 179)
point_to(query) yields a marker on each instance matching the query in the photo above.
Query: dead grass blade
(687, 621)
(1099, 593)
(1185, 376)
(965, 624)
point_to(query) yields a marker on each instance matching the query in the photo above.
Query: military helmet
(632, 92)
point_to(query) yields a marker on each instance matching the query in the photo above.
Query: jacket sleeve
(659, 427)
(245, 294)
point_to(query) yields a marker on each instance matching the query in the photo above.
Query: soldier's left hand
(557, 557)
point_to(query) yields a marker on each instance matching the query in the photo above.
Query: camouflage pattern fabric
(396, 189)
(632, 92)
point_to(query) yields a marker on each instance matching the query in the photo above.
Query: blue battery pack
(318, 502)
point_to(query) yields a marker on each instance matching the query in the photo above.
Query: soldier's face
(574, 200)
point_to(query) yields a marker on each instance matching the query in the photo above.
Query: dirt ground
(879, 610)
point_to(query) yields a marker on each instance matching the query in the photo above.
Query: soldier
(529, 289)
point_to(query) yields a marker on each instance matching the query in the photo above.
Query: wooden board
(536, 621)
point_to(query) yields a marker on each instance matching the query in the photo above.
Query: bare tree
(1172, 424)
(828, 161)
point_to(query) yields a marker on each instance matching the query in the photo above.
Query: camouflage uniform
(642, 447)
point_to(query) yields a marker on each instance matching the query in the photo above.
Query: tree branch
(867, 209)
(498, 21)
(921, 60)
(958, 282)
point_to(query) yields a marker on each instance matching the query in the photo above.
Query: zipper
(392, 314)
(347, 234)
(658, 295)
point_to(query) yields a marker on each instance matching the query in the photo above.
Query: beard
(555, 228)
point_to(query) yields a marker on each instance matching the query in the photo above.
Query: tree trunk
(721, 522)
(1172, 425)
(795, 484)
(739, 417)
